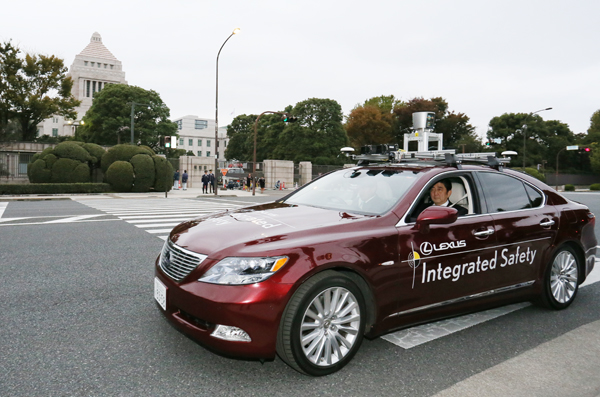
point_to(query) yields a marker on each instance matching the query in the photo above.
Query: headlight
(243, 270)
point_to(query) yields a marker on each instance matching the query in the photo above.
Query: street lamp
(132, 110)
(75, 123)
(235, 31)
(524, 129)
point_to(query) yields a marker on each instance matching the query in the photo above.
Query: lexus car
(367, 250)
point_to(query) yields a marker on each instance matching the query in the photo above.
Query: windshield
(363, 191)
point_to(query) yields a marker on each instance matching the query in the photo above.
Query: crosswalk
(159, 217)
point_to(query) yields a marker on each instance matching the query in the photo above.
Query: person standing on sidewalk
(211, 178)
(261, 182)
(205, 180)
(176, 180)
(184, 179)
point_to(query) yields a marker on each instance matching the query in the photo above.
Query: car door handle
(547, 223)
(483, 233)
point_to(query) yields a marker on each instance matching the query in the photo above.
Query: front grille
(177, 262)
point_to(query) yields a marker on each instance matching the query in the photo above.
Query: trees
(371, 123)
(108, 121)
(32, 89)
(316, 136)
(544, 139)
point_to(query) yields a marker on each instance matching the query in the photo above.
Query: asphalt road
(78, 318)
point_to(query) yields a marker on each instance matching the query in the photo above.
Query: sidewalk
(181, 194)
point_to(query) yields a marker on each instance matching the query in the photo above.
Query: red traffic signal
(586, 149)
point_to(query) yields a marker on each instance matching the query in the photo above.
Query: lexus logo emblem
(426, 248)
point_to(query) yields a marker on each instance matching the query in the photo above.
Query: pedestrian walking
(211, 180)
(261, 183)
(249, 182)
(176, 180)
(184, 179)
(205, 180)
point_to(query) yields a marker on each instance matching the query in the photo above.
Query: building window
(112, 66)
(208, 143)
(199, 153)
(55, 132)
(93, 87)
(55, 120)
(179, 124)
(99, 86)
(190, 142)
(87, 88)
(207, 154)
(224, 143)
(199, 142)
(85, 63)
(180, 141)
(105, 65)
(93, 64)
(99, 64)
(201, 124)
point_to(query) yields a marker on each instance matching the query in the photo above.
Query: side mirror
(435, 215)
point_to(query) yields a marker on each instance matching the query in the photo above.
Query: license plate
(160, 293)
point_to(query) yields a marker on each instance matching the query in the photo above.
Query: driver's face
(439, 194)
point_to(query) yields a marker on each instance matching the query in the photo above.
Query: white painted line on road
(3, 206)
(14, 219)
(159, 225)
(159, 231)
(47, 223)
(163, 237)
(415, 336)
(75, 218)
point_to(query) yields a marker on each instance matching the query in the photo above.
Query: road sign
(573, 147)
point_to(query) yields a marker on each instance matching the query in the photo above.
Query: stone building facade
(92, 69)
(197, 134)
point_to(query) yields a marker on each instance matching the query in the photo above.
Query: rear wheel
(561, 281)
(322, 326)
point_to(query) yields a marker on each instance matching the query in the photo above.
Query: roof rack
(449, 157)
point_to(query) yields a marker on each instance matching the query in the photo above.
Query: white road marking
(415, 336)
(159, 217)
(3, 206)
(75, 218)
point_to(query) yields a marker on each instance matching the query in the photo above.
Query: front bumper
(196, 309)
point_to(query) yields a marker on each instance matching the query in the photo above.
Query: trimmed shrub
(68, 162)
(63, 171)
(38, 173)
(164, 174)
(54, 188)
(595, 186)
(535, 173)
(72, 150)
(96, 151)
(122, 153)
(143, 170)
(569, 188)
(120, 176)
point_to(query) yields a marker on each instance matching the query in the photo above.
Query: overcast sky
(485, 57)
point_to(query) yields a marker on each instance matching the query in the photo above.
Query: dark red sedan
(367, 250)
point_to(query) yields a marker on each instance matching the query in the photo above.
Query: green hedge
(55, 188)
(123, 152)
(595, 186)
(569, 188)
(120, 176)
(143, 169)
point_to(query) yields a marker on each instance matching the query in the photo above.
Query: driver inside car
(440, 195)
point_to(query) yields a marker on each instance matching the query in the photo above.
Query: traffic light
(170, 142)
(586, 149)
(288, 118)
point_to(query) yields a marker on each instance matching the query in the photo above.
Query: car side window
(535, 198)
(504, 193)
(461, 198)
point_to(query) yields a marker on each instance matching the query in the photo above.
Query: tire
(331, 338)
(561, 281)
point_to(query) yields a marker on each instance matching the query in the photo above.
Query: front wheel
(322, 326)
(561, 281)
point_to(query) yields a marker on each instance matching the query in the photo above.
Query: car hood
(246, 231)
